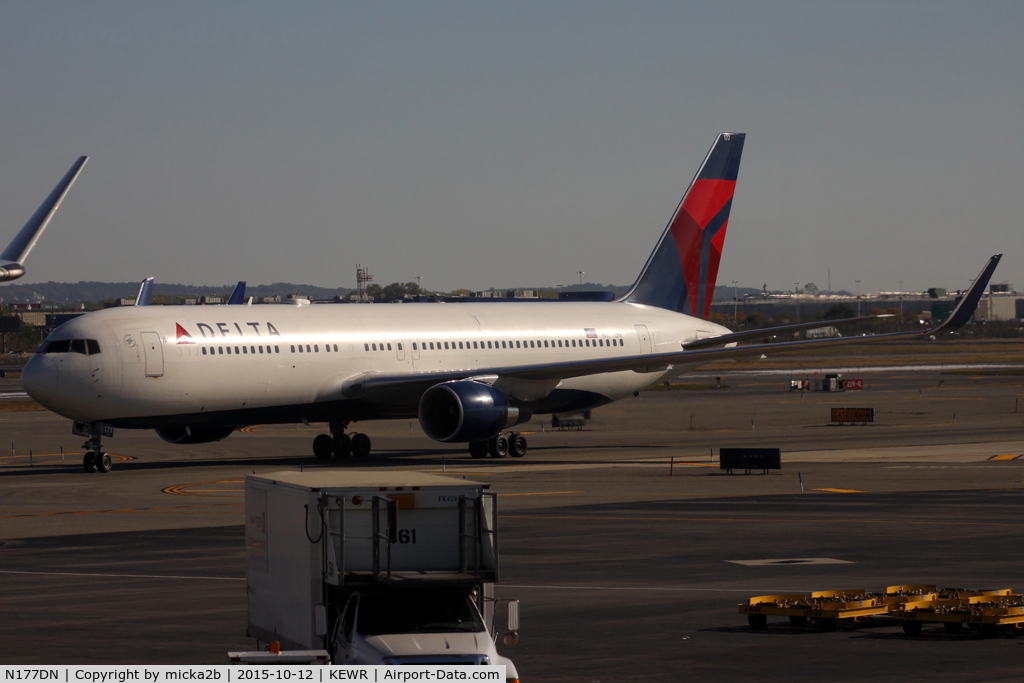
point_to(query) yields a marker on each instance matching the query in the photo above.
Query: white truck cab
(421, 625)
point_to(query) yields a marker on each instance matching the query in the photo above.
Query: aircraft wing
(12, 259)
(656, 362)
(724, 339)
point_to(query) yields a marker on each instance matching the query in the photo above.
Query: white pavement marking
(789, 561)
(964, 452)
(659, 588)
(127, 576)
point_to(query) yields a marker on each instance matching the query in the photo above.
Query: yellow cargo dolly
(985, 611)
(825, 608)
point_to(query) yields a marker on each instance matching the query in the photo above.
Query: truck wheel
(478, 449)
(342, 446)
(989, 630)
(498, 446)
(322, 446)
(360, 445)
(912, 628)
(827, 624)
(953, 626)
(517, 445)
(89, 462)
(798, 621)
(757, 621)
(103, 463)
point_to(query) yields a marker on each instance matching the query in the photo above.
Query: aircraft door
(154, 351)
(400, 349)
(415, 352)
(645, 338)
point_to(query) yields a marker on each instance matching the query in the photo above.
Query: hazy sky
(502, 144)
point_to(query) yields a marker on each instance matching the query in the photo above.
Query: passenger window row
(83, 346)
(381, 346)
(243, 350)
(514, 344)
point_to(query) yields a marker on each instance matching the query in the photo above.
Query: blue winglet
(145, 297)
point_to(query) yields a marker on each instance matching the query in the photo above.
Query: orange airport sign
(853, 414)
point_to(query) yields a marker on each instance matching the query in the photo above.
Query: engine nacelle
(466, 411)
(185, 434)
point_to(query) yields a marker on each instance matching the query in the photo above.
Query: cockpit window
(82, 346)
(57, 346)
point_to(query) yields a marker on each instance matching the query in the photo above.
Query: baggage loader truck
(375, 567)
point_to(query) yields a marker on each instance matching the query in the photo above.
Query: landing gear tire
(360, 445)
(830, 624)
(323, 446)
(102, 462)
(342, 446)
(517, 445)
(89, 462)
(478, 449)
(912, 628)
(498, 446)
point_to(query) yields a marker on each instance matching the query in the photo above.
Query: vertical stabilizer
(680, 274)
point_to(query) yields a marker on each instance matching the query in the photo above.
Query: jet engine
(185, 434)
(466, 411)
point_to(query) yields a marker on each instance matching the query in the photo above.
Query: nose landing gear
(95, 460)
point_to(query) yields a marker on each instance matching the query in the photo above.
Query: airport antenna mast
(362, 277)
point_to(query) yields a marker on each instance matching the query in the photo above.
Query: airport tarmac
(622, 569)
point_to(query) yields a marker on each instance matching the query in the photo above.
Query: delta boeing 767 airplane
(469, 372)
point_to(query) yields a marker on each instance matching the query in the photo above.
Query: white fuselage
(280, 362)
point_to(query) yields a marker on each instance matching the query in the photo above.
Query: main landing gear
(507, 443)
(95, 460)
(341, 445)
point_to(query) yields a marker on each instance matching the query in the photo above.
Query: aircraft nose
(39, 378)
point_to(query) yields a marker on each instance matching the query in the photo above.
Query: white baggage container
(311, 537)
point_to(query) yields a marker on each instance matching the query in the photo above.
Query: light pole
(580, 273)
(858, 297)
(901, 304)
(735, 302)
(796, 298)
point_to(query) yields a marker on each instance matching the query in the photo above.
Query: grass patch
(1007, 372)
(20, 407)
(685, 387)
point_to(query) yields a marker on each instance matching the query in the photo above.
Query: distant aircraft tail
(680, 274)
(237, 297)
(145, 297)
